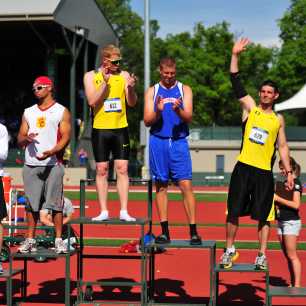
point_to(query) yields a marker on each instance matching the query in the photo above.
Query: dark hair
(296, 168)
(271, 84)
(167, 61)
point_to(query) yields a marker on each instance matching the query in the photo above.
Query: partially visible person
(168, 111)
(44, 133)
(251, 189)
(109, 90)
(3, 156)
(68, 210)
(289, 222)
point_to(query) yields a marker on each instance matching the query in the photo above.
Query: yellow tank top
(112, 113)
(259, 139)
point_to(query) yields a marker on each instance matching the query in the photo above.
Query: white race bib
(112, 105)
(258, 135)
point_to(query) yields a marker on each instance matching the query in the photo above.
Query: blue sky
(255, 19)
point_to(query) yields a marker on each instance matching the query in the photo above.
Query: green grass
(142, 196)
(252, 245)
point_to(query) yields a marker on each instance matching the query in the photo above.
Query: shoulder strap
(180, 87)
(156, 87)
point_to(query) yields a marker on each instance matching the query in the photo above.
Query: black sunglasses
(116, 62)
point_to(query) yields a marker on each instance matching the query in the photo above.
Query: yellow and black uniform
(110, 126)
(251, 188)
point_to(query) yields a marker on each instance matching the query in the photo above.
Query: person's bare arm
(149, 114)
(247, 102)
(23, 138)
(67, 219)
(130, 94)
(295, 203)
(65, 132)
(284, 152)
(94, 96)
(3, 144)
(184, 113)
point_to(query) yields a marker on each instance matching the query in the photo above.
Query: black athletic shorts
(3, 211)
(251, 192)
(115, 141)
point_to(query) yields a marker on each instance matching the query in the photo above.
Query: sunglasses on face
(39, 87)
(116, 62)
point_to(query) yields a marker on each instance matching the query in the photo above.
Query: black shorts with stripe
(251, 192)
(115, 141)
(3, 211)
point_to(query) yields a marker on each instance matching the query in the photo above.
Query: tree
(289, 69)
(203, 61)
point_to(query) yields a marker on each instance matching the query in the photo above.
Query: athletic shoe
(60, 246)
(72, 242)
(1, 268)
(28, 246)
(102, 217)
(195, 240)
(261, 262)
(124, 216)
(228, 258)
(162, 239)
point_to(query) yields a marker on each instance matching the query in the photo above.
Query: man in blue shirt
(168, 110)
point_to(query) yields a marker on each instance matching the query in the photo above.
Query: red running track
(182, 275)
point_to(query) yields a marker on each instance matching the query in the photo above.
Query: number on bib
(112, 105)
(258, 135)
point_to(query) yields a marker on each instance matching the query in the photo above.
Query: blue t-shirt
(169, 125)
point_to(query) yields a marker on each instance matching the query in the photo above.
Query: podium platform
(184, 244)
(241, 267)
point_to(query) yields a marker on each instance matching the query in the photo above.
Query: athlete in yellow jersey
(108, 90)
(251, 187)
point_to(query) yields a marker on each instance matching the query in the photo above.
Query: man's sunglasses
(116, 62)
(39, 87)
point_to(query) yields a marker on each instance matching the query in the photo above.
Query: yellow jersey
(111, 114)
(259, 139)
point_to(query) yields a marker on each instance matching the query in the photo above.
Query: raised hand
(131, 80)
(240, 45)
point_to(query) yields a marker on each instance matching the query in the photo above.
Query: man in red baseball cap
(43, 80)
(43, 171)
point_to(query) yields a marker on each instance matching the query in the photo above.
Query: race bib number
(41, 122)
(258, 135)
(112, 105)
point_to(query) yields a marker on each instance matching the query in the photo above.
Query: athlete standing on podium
(108, 90)
(251, 189)
(168, 110)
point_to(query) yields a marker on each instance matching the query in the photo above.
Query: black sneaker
(195, 240)
(162, 239)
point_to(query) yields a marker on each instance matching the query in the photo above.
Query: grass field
(142, 196)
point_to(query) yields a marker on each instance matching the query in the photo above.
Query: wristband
(239, 90)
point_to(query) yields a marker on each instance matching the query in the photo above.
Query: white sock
(102, 216)
(231, 249)
(125, 216)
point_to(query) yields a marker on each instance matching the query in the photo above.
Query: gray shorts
(290, 227)
(43, 187)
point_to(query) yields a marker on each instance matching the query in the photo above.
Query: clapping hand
(176, 105)
(159, 103)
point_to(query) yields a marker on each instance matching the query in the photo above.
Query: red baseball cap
(43, 80)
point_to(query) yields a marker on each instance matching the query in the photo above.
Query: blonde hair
(109, 50)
